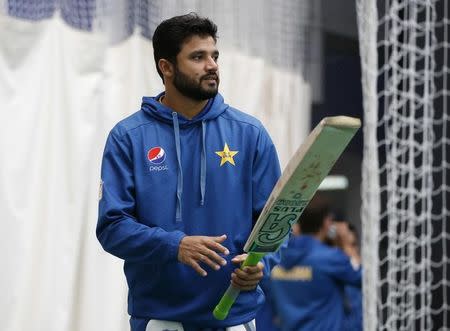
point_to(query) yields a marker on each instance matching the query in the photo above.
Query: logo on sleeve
(226, 155)
(157, 156)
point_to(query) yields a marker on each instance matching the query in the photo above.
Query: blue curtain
(80, 14)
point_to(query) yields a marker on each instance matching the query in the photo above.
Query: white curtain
(61, 91)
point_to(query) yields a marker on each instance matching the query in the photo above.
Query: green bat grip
(223, 307)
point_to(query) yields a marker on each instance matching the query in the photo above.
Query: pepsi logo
(156, 155)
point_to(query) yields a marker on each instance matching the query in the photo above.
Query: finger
(197, 268)
(239, 258)
(249, 271)
(244, 281)
(205, 259)
(243, 288)
(215, 245)
(220, 239)
(253, 269)
(243, 285)
(211, 255)
(245, 275)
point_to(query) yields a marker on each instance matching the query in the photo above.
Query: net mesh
(404, 55)
(275, 30)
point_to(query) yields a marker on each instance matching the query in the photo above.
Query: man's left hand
(246, 279)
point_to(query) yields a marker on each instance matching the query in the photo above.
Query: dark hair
(313, 217)
(353, 229)
(170, 35)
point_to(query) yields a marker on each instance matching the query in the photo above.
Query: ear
(166, 67)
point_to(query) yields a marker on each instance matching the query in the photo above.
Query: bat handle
(223, 307)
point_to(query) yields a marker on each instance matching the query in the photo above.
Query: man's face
(352, 240)
(196, 72)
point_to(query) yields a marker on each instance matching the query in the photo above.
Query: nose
(211, 64)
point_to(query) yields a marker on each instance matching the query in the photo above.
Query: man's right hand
(204, 249)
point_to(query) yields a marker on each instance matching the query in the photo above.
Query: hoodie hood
(299, 247)
(152, 107)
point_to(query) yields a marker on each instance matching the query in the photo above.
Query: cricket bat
(302, 176)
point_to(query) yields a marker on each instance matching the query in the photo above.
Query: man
(348, 242)
(183, 181)
(308, 284)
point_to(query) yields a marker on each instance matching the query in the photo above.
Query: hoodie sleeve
(340, 268)
(118, 230)
(266, 171)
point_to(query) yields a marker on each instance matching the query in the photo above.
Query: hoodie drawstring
(203, 166)
(176, 129)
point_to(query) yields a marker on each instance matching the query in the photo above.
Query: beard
(193, 89)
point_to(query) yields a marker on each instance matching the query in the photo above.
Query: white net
(404, 55)
(275, 30)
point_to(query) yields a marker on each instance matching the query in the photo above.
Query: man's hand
(346, 240)
(196, 249)
(248, 278)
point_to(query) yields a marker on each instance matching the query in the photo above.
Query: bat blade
(301, 178)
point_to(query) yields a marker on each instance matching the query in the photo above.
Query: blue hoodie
(353, 320)
(308, 285)
(165, 177)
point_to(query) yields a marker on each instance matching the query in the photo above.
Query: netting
(404, 55)
(275, 30)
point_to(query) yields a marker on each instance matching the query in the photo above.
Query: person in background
(267, 318)
(182, 182)
(347, 240)
(309, 283)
